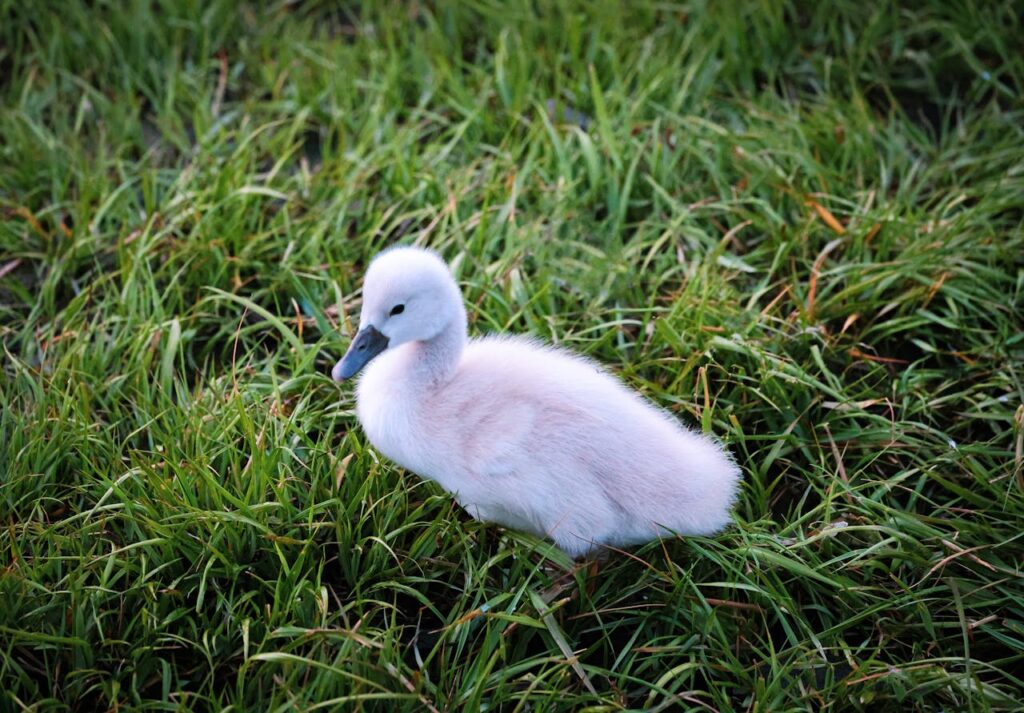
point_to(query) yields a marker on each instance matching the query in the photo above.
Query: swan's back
(546, 440)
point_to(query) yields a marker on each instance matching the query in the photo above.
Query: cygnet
(523, 434)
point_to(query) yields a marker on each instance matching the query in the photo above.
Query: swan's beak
(367, 344)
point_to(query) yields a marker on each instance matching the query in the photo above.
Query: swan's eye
(397, 309)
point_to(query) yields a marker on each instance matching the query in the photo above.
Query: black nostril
(362, 347)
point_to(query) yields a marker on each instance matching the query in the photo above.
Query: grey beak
(367, 344)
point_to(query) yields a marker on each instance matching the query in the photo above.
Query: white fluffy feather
(524, 435)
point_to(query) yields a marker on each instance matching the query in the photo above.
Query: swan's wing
(498, 437)
(516, 418)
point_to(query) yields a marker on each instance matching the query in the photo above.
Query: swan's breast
(389, 413)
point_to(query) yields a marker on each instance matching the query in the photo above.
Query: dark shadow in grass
(935, 108)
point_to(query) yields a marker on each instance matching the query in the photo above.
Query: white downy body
(525, 435)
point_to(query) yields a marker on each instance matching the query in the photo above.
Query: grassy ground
(797, 225)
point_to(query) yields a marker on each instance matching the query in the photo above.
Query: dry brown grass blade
(339, 472)
(826, 216)
(858, 354)
(812, 289)
(7, 267)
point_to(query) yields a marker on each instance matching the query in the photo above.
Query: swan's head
(408, 296)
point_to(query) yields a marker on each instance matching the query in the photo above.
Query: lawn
(798, 226)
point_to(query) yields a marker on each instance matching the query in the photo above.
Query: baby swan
(524, 435)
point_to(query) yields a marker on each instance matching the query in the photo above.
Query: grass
(797, 225)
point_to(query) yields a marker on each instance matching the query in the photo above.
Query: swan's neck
(437, 359)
